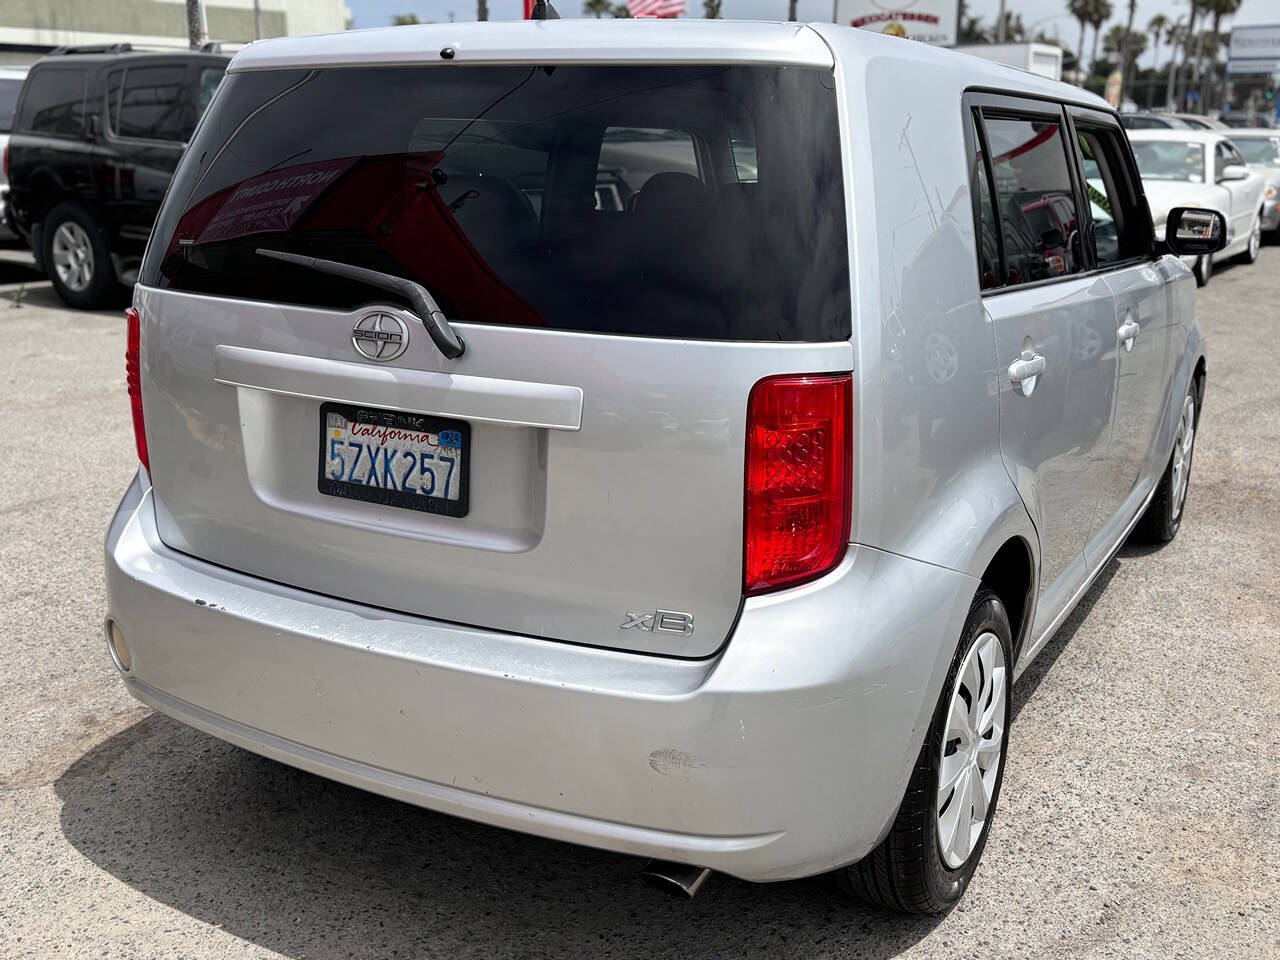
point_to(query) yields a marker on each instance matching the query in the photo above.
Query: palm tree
(1156, 26)
(1126, 57)
(1219, 10)
(711, 9)
(482, 10)
(1080, 10)
(597, 8)
(1099, 13)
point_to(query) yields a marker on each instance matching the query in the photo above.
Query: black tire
(1203, 269)
(1163, 516)
(906, 871)
(101, 285)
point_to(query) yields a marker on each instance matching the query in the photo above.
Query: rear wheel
(76, 257)
(1203, 269)
(1250, 253)
(925, 863)
(1164, 514)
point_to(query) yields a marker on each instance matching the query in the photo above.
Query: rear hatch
(624, 250)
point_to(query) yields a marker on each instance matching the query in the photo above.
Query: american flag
(655, 8)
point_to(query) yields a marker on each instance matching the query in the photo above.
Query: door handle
(1127, 332)
(1025, 371)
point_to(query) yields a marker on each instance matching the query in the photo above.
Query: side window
(631, 156)
(1119, 229)
(988, 238)
(1034, 199)
(1221, 157)
(207, 80)
(54, 102)
(152, 105)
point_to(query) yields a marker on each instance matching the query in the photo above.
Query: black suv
(97, 136)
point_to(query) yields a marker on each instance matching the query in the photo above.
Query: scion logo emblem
(660, 621)
(380, 336)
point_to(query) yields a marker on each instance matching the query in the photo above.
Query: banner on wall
(930, 21)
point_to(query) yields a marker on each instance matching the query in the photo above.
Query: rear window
(9, 90)
(682, 201)
(54, 102)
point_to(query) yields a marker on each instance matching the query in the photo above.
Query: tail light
(798, 479)
(133, 377)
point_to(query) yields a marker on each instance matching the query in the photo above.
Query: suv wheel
(76, 257)
(1164, 514)
(925, 863)
(1203, 269)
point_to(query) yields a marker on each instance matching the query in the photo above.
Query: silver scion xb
(669, 437)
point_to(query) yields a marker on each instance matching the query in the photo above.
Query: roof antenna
(543, 10)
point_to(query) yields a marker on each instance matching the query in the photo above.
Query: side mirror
(1233, 171)
(1191, 231)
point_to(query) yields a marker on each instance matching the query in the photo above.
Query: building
(28, 30)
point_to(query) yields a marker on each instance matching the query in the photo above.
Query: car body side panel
(928, 481)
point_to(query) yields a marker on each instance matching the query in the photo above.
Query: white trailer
(1043, 59)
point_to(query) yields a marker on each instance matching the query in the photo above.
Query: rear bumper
(785, 755)
(1271, 215)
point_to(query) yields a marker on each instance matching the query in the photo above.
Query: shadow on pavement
(308, 867)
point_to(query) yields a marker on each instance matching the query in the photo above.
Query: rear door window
(54, 102)
(150, 103)
(1034, 198)
(681, 201)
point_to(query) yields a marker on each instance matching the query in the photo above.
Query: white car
(11, 79)
(1260, 147)
(1202, 168)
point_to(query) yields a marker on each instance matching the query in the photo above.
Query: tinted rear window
(681, 201)
(54, 102)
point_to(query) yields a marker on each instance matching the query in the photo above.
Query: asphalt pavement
(1140, 815)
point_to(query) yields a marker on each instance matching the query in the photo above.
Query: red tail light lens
(798, 479)
(133, 377)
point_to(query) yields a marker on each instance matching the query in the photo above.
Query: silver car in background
(709, 516)
(1260, 148)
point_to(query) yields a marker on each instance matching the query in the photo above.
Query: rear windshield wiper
(433, 319)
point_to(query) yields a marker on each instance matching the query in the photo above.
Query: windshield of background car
(1169, 160)
(1259, 151)
(680, 201)
(9, 90)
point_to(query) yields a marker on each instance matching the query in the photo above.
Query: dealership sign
(1254, 50)
(932, 21)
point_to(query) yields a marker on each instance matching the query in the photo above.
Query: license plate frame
(395, 420)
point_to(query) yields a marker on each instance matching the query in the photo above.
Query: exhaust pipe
(677, 880)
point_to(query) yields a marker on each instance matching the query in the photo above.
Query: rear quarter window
(681, 201)
(53, 103)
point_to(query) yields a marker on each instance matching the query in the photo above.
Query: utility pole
(196, 31)
(257, 20)
(1000, 24)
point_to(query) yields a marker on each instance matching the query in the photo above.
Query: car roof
(635, 41)
(125, 57)
(1247, 133)
(1187, 136)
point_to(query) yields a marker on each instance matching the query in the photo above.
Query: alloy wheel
(972, 749)
(73, 256)
(1255, 239)
(1182, 449)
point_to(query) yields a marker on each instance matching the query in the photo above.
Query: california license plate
(398, 459)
